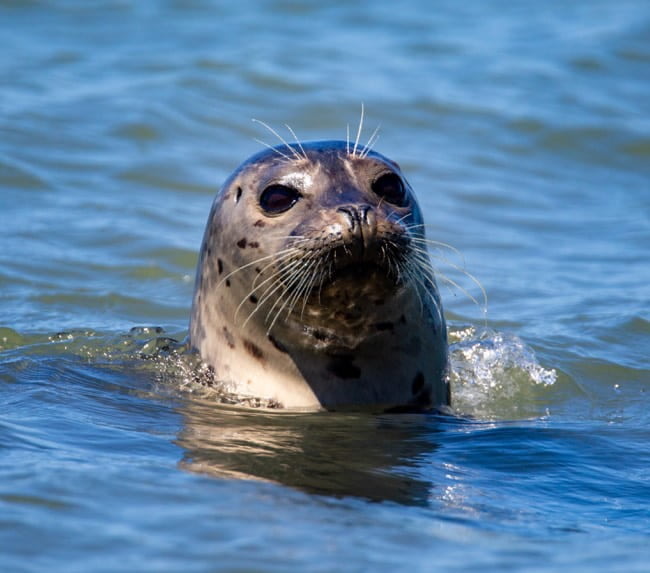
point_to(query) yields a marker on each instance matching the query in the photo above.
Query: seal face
(314, 287)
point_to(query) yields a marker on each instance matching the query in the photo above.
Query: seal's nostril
(356, 215)
(351, 214)
(363, 214)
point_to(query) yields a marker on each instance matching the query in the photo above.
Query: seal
(314, 288)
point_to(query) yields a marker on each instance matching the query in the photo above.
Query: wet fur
(316, 307)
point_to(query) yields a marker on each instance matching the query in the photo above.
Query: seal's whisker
(360, 128)
(317, 276)
(450, 282)
(371, 141)
(275, 256)
(423, 274)
(274, 149)
(272, 279)
(425, 253)
(286, 277)
(301, 286)
(387, 260)
(472, 278)
(347, 139)
(401, 219)
(412, 277)
(422, 242)
(391, 253)
(276, 285)
(438, 244)
(445, 279)
(289, 283)
(284, 141)
(303, 271)
(325, 272)
(441, 245)
(292, 132)
(273, 263)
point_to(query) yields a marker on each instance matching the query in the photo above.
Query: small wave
(495, 375)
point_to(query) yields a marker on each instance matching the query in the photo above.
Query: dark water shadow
(375, 457)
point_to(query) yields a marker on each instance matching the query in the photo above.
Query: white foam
(495, 375)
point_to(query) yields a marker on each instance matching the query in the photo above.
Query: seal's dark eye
(389, 186)
(276, 199)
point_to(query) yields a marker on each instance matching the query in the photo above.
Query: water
(524, 130)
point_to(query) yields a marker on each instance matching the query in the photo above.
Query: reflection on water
(375, 457)
(331, 453)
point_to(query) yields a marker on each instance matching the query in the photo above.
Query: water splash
(495, 375)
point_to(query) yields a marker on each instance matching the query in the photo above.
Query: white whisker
(302, 149)
(371, 141)
(356, 141)
(289, 283)
(272, 278)
(284, 141)
(275, 256)
(274, 149)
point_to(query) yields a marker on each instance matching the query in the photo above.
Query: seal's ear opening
(276, 199)
(390, 187)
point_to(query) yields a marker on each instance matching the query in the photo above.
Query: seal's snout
(357, 215)
(359, 225)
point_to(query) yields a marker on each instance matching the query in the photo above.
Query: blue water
(524, 129)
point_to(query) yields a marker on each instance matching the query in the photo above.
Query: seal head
(314, 287)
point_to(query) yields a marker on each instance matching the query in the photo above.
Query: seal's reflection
(340, 454)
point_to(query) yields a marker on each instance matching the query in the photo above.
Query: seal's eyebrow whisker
(347, 139)
(371, 142)
(275, 149)
(282, 139)
(360, 128)
(302, 149)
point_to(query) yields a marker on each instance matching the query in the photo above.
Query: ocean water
(524, 129)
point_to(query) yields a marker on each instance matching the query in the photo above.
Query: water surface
(523, 129)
